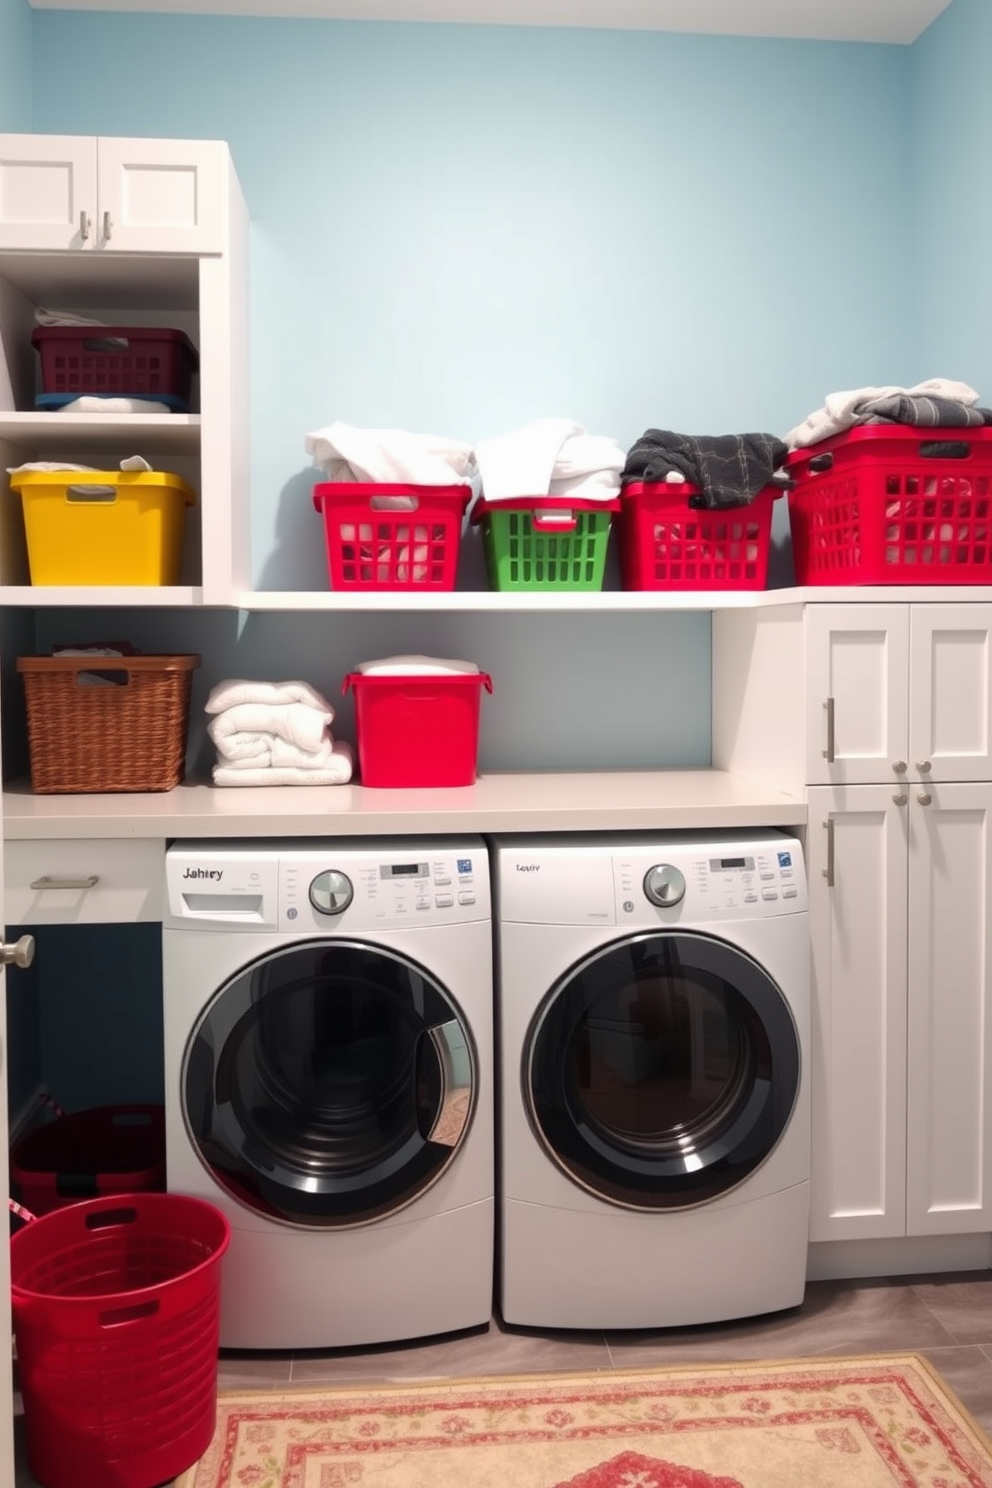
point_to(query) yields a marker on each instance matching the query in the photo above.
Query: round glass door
(662, 1070)
(329, 1084)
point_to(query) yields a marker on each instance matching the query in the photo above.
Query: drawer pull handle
(47, 882)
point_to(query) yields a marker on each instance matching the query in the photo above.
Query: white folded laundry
(346, 452)
(589, 454)
(231, 693)
(297, 722)
(522, 462)
(270, 749)
(838, 411)
(598, 485)
(89, 404)
(337, 771)
(416, 666)
(46, 317)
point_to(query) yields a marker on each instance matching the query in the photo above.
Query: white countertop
(649, 800)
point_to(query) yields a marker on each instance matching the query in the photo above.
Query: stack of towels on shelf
(344, 452)
(275, 733)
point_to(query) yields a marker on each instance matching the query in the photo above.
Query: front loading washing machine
(328, 1066)
(653, 1006)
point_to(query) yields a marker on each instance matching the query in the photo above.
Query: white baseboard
(837, 1260)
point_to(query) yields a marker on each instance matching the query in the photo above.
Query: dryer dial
(664, 885)
(331, 892)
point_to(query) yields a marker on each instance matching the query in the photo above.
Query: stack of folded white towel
(275, 733)
(345, 452)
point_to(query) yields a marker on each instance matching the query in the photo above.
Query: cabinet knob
(924, 798)
(900, 798)
(924, 766)
(900, 767)
(17, 953)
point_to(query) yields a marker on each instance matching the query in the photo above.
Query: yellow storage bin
(103, 526)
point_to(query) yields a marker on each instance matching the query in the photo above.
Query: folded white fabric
(416, 666)
(839, 409)
(130, 462)
(237, 690)
(45, 317)
(301, 724)
(337, 771)
(345, 452)
(550, 457)
(90, 404)
(253, 751)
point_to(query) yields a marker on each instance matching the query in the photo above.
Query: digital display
(720, 865)
(404, 870)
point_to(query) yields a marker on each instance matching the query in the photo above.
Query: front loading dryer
(653, 1008)
(328, 1066)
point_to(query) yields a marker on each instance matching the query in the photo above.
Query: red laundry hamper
(116, 1308)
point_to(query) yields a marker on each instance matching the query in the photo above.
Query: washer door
(329, 1084)
(662, 1070)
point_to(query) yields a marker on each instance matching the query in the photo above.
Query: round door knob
(924, 798)
(664, 885)
(924, 766)
(331, 892)
(19, 953)
(899, 766)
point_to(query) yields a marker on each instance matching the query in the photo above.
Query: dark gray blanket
(729, 469)
(929, 413)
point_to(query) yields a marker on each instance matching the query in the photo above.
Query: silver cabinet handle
(20, 953)
(828, 872)
(108, 226)
(924, 798)
(47, 882)
(900, 767)
(900, 798)
(85, 223)
(924, 766)
(828, 753)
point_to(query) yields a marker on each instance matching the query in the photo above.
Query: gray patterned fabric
(729, 469)
(926, 412)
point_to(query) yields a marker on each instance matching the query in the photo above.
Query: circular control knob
(331, 892)
(664, 885)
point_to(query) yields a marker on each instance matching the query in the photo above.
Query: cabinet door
(48, 191)
(950, 692)
(7, 986)
(162, 196)
(857, 697)
(949, 1154)
(857, 857)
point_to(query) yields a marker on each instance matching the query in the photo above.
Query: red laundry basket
(116, 1308)
(417, 730)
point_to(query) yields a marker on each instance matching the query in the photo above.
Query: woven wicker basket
(126, 732)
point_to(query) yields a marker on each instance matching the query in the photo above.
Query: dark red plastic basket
(893, 504)
(664, 543)
(391, 536)
(116, 1308)
(82, 1155)
(81, 361)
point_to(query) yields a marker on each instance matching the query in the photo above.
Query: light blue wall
(15, 66)
(951, 225)
(459, 229)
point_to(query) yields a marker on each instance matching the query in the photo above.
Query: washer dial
(664, 885)
(331, 892)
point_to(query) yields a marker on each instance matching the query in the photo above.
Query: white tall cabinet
(894, 748)
(130, 232)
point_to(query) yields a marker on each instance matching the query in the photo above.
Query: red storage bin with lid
(417, 729)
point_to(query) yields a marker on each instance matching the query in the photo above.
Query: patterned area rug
(877, 1421)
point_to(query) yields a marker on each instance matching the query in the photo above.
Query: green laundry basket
(545, 542)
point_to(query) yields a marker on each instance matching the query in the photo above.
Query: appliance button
(769, 893)
(750, 898)
(766, 875)
(443, 901)
(466, 898)
(465, 878)
(423, 904)
(790, 893)
(439, 880)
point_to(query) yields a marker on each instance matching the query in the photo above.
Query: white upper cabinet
(106, 195)
(898, 692)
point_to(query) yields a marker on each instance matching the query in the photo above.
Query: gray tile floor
(946, 1318)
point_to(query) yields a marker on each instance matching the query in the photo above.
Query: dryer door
(662, 1070)
(329, 1084)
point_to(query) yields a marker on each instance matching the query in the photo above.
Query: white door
(48, 191)
(857, 858)
(857, 698)
(162, 196)
(949, 1155)
(950, 692)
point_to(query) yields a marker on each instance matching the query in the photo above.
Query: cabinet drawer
(83, 882)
